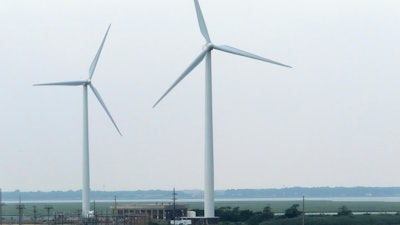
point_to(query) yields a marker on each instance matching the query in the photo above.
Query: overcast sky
(331, 120)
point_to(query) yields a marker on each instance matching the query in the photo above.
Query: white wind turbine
(85, 159)
(208, 156)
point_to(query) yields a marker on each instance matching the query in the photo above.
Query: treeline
(293, 192)
(292, 216)
(236, 215)
(337, 220)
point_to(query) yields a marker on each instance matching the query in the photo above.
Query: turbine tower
(208, 154)
(85, 156)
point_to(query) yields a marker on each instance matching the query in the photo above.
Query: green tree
(292, 211)
(267, 213)
(227, 214)
(259, 217)
(256, 219)
(344, 211)
(245, 215)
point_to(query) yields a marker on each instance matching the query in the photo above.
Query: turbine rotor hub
(208, 46)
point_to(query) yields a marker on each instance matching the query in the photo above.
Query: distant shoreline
(333, 199)
(294, 193)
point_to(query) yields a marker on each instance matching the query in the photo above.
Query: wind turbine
(85, 158)
(206, 53)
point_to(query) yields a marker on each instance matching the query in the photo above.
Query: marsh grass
(73, 208)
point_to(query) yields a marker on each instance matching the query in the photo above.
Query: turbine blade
(67, 83)
(96, 93)
(236, 51)
(196, 62)
(96, 58)
(202, 23)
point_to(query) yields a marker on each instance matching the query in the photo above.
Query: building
(153, 212)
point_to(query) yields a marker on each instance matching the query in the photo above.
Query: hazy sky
(332, 120)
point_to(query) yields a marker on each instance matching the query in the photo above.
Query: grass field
(277, 206)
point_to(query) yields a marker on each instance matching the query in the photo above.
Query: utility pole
(20, 208)
(48, 208)
(304, 212)
(115, 209)
(34, 214)
(174, 199)
(1, 210)
(94, 212)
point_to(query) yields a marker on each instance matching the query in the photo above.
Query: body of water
(338, 199)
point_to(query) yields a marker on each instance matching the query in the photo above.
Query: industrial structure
(154, 212)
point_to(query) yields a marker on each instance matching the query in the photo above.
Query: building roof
(160, 206)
